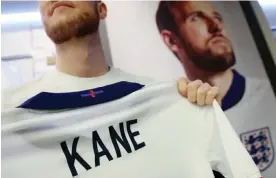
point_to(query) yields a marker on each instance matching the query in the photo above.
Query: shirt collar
(70, 100)
(235, 92)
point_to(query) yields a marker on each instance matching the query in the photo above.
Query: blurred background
(25, 48)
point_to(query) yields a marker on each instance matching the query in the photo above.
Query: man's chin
(214, 68)
(215, 64)
(220, 52)
(64, 33)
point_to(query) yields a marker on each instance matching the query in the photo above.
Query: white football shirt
(150, 133)
(253, 115)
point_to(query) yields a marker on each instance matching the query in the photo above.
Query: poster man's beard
(80, 26)
(209, 62)
(213, 63)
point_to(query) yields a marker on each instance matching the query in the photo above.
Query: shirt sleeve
(225, 152)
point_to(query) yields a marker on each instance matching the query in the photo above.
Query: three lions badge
(259, 145)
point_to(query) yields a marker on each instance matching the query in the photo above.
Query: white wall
(15, 43)
(268, 7)
(16, 72)
(136, 46)
(269, 36)
(32, 42)
(134, 41)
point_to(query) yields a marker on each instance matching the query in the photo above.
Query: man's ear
(102, 9)
(170, 40)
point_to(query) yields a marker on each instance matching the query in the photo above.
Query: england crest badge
(259, 145)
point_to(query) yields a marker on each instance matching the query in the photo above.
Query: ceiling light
(20, 18)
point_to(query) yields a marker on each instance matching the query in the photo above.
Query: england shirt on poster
(256, 124)
(152, 132)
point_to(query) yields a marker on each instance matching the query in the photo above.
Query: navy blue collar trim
(235, 92)
(56, 101)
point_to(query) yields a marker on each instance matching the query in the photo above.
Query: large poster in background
(210, 41)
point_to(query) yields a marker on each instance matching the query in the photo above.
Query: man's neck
(223, 80)
(82, 57)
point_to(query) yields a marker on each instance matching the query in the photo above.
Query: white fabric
(176, 138)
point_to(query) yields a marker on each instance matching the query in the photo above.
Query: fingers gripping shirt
(150, 133)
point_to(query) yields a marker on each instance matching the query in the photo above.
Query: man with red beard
(75, 120)
(196, 33)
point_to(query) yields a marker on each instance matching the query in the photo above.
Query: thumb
(219, 99)
(182, 85)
